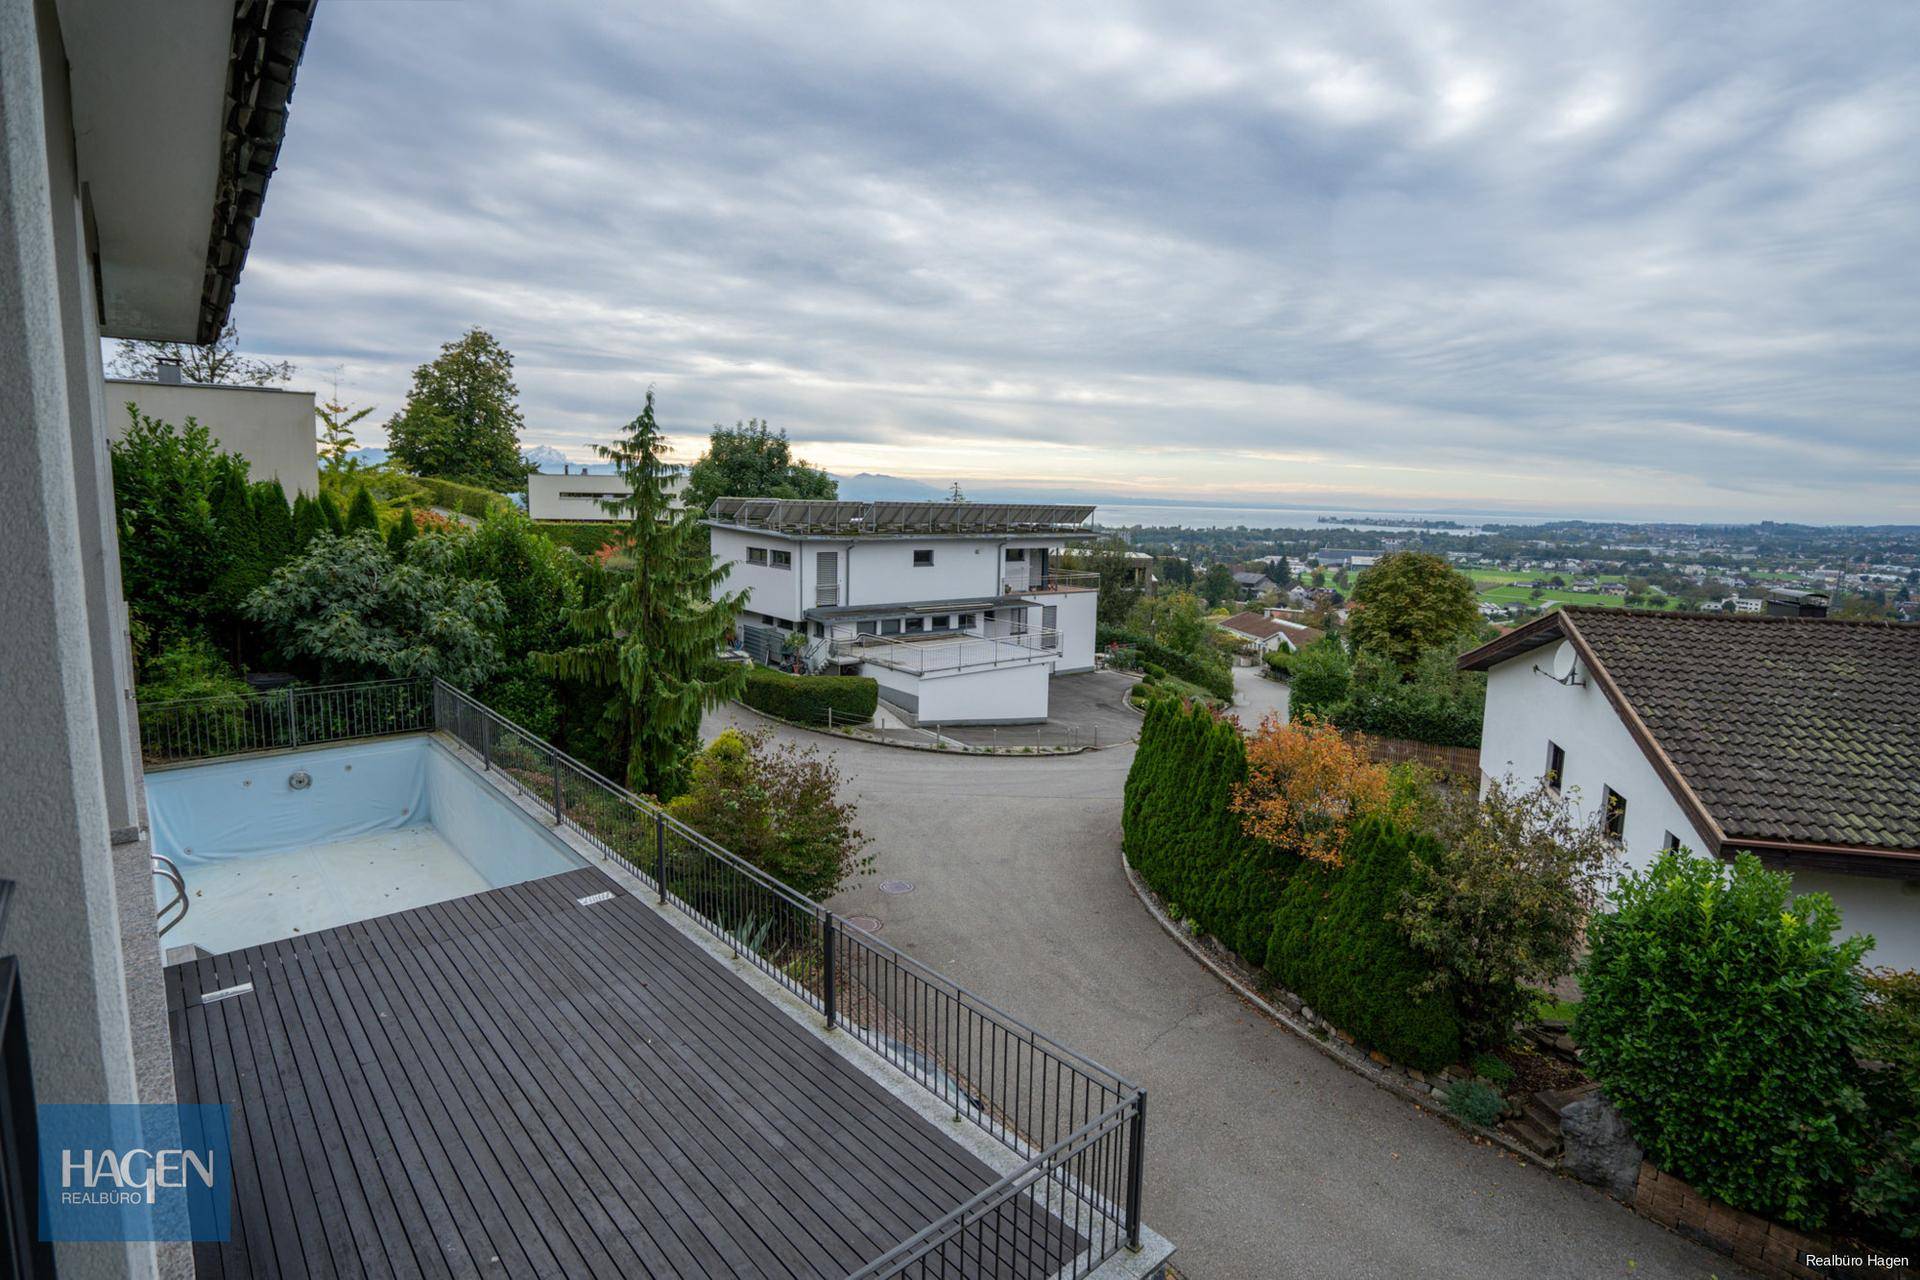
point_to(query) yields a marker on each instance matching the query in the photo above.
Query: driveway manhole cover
(870, 923)
(896, 886)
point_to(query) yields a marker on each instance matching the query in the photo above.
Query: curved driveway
(1264, 1158)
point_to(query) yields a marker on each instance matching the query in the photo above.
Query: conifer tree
(274, 523)
(652, 640)
(401, 533)
(330, 512)
(236, 547)
(363, 515)
(308, 520)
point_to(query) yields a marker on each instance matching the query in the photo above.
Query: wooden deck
(512, 1084)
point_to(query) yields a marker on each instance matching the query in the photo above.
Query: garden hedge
(584, 536)
(467, 499)
(1323, 933)
(1214, 677)
(807, 699)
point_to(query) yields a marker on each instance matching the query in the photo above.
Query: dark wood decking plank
(193, 1082)
(249, 1246)
(467, 1023)
(720, 1215)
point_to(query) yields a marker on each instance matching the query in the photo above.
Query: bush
(1504, 900)
(808, 699)
(1887, 1199)
(776, 807)
(1280, 662)
(1320, 679)
(583, 536)
(1334, 944)
(1213, 676)
(1433, 702)
(1474, 1102)
(468, 499)
(1306, 785)
(1717, 1015)
(188, 667)
(1181, 835)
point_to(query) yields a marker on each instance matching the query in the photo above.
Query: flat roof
(516, 1083)
(829, 612)
(801, 517)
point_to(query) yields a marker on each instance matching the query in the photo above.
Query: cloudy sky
(1642, 260)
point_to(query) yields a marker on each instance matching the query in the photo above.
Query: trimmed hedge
(467, 499)
(1409, 711)
(1334, 944)
(584, 536)
(1322, 932)
(807, 699)
(1214, 677)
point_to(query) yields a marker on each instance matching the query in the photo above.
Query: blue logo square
(135, 1172)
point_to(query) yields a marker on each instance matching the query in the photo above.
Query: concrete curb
(1346, 1055)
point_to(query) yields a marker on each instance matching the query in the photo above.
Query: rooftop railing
(922, 653)
(1068, 580)
(1076, 1128)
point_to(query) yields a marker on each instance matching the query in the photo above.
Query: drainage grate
(870, 923)
(896, 886)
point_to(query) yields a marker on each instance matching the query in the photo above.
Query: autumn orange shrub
(1306, 786)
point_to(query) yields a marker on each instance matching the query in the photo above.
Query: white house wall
(1078, 616)
(1525, 710)
(871, 571)
(996, 695)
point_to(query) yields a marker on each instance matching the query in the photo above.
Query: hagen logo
(135, 1172)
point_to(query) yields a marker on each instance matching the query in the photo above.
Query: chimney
(1783, 602)
(166, 371)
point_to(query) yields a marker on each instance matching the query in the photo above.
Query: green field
(1496, 587)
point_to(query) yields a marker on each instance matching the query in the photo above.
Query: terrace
(639, 1056)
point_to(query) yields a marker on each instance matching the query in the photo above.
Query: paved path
(1254, 696)
(1264, 1158)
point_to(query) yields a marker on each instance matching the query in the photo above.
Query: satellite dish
(1561, 664)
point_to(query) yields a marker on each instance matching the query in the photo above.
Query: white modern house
(1794, 737)
(578, 495)
(955, 608)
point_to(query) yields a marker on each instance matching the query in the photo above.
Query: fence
(944, 651)
(299, 716)
(1078, 1127)
(1458, 764)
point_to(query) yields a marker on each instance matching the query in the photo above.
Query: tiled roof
(1804, 731)
(1257, 625)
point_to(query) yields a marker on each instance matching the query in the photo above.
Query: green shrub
(1488, 1067)
(471, 500)
(1433, 701)
(1209, 673)
(1474, 1102)
(1154, 671)
(807, 699)
(1717, 1015)
(1280, 662)
(188, 667)
(1887, 1199)
(1320, 679)
(584, 536)
(1335, 945)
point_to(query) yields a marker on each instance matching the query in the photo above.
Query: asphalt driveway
(1264, 1158)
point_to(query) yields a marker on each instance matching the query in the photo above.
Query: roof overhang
(178, 114)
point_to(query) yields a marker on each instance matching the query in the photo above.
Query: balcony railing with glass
(1066, 580)
(933, 652)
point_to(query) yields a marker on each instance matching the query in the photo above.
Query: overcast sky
(1649, 260)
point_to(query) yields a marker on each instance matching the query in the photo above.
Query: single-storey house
(1253, 584)
(1260, 632)
(579, 495)
(1796, 738)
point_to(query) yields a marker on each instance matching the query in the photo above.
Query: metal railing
(281, 719)
(174, 909)
(924, 652)
(1078, 1127)
(1067, 580)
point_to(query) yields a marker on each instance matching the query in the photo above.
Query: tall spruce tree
(308, 521)
(652, 640)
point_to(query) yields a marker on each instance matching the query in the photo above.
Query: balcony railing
(1067, 580)
(940, 651)
(1076, 1128)
(281, 719)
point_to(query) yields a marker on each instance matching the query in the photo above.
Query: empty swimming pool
(279, 845)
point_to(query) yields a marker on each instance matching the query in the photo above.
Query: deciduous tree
(220, 361)
(751, 460)
(462, 416)
(1306, 786)
(1410, 602)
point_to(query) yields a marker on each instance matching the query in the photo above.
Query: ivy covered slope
(1325, 932)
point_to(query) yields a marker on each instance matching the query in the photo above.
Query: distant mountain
(368, 457)
(868, 487)
(544, 457)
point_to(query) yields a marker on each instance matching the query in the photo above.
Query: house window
(1670, 841)
(1613, 818)
(782, 559)
(756, 555)
(890, 626)
(966, 620)
(1556, 764)
(923, 558)
(942, 622)
(915, 625)
(766, 619)
(1016, 555)
(866, 628)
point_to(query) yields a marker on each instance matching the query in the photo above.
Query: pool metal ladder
(165, 868)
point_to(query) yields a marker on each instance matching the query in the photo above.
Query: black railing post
(660, 855)
(827, 932)
(486, 745)
(557, 813)
(1136, 1156)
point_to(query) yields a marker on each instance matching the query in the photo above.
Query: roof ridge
(1603, 611)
